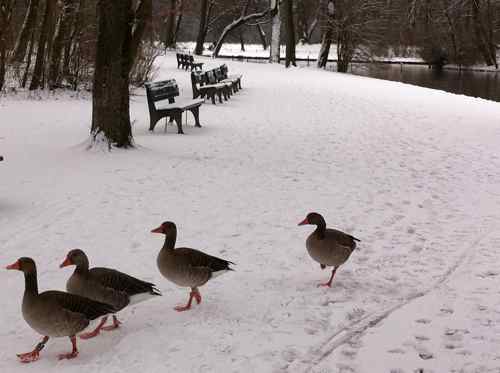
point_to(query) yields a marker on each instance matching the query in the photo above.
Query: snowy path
(413, 172)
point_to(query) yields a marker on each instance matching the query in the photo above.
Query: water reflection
(476, 84)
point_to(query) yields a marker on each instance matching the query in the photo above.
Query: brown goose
(105, 285)
(187, 267)
(54, 313)
(329, 247)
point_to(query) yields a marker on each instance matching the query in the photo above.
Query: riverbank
(308, 53)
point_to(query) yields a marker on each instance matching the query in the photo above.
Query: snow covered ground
(414, 173)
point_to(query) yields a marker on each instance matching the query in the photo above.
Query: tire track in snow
(345, 334)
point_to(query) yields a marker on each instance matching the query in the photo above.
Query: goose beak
(304, 222)
(14, 266)
(66, 263)
(157, 230)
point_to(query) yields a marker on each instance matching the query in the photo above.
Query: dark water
(471, 83)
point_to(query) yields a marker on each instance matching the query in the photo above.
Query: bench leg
(196, 115)
(212, 97)
(152, 123)
(169, 121)
(220, 96)
(178, 120)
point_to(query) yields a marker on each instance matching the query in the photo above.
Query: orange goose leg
(73, 353)
(195, 293)
(96, 331)
(34, 355)
(329, 283)
(116, 324)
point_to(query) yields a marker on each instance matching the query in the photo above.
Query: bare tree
(61, 39)
(241, 20)
(274, 53)
(6, 7)
(48, 18)
(119, 36)
(170, 24)
(202, 30)
(290, 33)
(327, 11)
(26, 32)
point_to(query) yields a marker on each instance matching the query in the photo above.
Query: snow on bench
(161, 102)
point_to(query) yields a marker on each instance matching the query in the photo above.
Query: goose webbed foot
(34, 355)
(193, 294)
(329, 283)
(115, 325)
(73, 353)
(96, 331)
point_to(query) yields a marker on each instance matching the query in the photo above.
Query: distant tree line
(105, 45)
(52, 43)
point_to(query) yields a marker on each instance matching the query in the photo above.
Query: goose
(187, 267)
(329, 247)
(105, 285)
(54, 313)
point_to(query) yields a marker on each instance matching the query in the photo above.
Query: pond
(470, 83)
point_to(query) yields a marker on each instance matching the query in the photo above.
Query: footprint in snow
(396, 351)
(446, 311)
(423, 321)
(421, 338)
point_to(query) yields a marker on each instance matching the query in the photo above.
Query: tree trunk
(170, 25)
(202, 30)
(290, 34)
(61, 39)
(262, 36)
(242, 41)
(482, 42)
(120, 31)
(301, 21)
(326, 38)
(324, 51)
(28, 60)
(141, 22)
(29, 23)
(5, 20)
(36, 79)
(178, 20)
(274, 54)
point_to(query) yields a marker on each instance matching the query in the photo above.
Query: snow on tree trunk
(325, 49)
(274, 56)
(262, 36)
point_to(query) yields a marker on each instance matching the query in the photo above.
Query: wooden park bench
(214, 77)
(161, 102)
(234, 77)
(186, 61)
(221, 78)
(201, 87)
